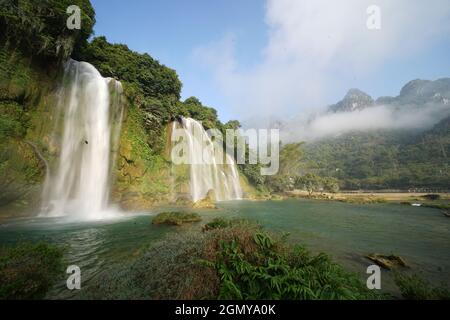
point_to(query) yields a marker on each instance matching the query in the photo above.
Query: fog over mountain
(420, 105)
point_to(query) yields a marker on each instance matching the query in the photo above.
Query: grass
(217, 223)
(176, 218)
(363, 200)
(413, 287)
(28, 271)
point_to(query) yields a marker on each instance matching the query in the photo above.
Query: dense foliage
(294, 173)
(146, 74)
(385, 160)
(13, 120)
(28, 271)
(39, 27)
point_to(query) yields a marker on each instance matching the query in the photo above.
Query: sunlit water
(346, 231)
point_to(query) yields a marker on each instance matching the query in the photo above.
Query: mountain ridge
(415, 92)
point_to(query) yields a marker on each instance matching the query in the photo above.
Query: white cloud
(372, 118)
(313, 44)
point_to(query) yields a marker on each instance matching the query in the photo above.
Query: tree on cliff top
(39, 27)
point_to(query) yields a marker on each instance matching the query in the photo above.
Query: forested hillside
(385, 160)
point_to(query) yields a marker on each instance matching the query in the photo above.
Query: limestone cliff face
(26, 101)
(142, 177)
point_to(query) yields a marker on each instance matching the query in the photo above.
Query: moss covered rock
(176, 218)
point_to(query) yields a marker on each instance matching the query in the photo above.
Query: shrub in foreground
(28, 271)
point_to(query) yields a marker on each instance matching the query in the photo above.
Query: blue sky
(219, 48)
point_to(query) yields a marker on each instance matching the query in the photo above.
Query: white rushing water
(207, 172)
(87, 128)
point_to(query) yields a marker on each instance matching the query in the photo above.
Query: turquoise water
(345, 231)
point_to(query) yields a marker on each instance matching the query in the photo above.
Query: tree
(39, 27)
(309, 182)
(291, 156)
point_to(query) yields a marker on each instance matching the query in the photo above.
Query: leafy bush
(28, 271)
(274, 271)
(217, 223)
(13, 121)
(413, 287)
(176, 218)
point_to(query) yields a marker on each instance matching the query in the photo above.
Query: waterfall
(206, 171)
(88, 119)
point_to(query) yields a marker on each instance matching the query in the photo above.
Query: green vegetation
(28, 271)
(363, 200)
(20, 167)
(14, 121)
(239, 261)
(384, 160)
(142, 173)
(368, 160)
(266, 269)
(294, 174)
(414, 287)
(140, 71)
(39, 28)
(217, 223)
(176, 218)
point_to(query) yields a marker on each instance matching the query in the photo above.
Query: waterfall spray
(206, 173)
(90, 112)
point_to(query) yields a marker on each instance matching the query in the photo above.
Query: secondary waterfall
(207, 172)
(87, 127)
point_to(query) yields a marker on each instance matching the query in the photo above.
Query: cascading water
(206, 172)
(89, 114)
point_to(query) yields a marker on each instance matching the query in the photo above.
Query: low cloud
(369, 119)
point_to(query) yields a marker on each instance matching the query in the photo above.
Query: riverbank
(361, 197)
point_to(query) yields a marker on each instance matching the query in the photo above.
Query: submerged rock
(176, 218)
(208, 202)
(387, 262)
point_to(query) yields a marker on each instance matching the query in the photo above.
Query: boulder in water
(208, 202)
(387, 262)
(176, 218)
